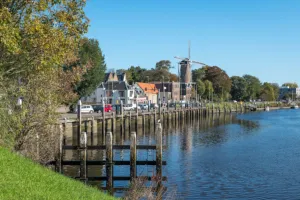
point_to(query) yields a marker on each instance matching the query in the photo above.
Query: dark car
(97, 108)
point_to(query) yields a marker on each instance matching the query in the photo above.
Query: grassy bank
(20, 178)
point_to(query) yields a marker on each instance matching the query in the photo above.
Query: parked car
(99, 108)
(128, 107)
(85, 109)
(153, 106)
(143, 106)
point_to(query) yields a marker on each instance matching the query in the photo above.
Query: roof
(148, 88)
(115, 85)
(111, 76)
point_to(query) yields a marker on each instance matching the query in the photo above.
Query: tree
(163, 65)
(133, 74)
(198, 74)
(238, 88)
(37, 39)
(253, 87)
(267, 92)
(290, 85)
(219, 79)
(276, 90)
(90, 55)
(200, 87)
(208, 89)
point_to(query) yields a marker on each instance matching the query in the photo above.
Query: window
(131, 93)
(121, 93)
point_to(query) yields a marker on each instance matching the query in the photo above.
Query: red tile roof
(148, 88)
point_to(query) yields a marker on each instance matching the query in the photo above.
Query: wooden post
(109, 162)
(83, 157)
(159, 152)
(137, 118)
(129, 121)
(113, 122)
(60, 154)
(79, 122)
(92, 131)
(122, 118)
(154, 119)
(103, 118)
(144, 122)
(133, 156)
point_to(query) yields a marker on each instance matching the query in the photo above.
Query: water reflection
(184, 142)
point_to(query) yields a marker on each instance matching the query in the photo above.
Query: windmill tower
(185, 67)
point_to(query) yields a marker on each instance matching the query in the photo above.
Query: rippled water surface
(245, 156)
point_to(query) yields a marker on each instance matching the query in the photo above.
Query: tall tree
(90, 54)
(200, 87)
(133, 74)
(267, 92)
(238, 88)
(290, 85)
(276, 90)
(220, 80)
(163, 65)
(37, 38)
(209, 89)
(198, 74)
(253, 86)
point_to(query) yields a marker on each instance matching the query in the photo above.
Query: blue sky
(257, 37)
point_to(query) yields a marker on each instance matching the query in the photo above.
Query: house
(112, 76)
(147, 91)
(168, 91)
(292, 92)
(112, 92)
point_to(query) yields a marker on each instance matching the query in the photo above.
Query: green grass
(20, 178)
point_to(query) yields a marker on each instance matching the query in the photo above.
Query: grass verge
(20, 178)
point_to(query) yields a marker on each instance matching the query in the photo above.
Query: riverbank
(23, 179)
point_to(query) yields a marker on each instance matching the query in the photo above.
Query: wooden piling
(103, 118)
(92, 130)
(133, 156)
(83, 157)
(79, 122)
(158, 152)
(109, 162)
(113, 122)
(60, 154)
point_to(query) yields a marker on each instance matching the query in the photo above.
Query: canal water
(245, 156)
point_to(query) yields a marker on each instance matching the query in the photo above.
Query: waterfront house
(112, 92)
(147, 91)
(168, 91)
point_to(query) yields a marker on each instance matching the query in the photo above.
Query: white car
(86, 109)
(130, 107)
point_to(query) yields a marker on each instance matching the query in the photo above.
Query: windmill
(185, 74)
(185, 67)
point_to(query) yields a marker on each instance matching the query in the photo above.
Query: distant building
(112, 92)
(168, 91)
(185, 72)
(112, 76)
(295, 92)
(146, 90)
(185, 91)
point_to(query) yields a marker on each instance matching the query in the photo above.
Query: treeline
(213, 82)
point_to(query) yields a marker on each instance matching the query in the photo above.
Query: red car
(108, 108)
